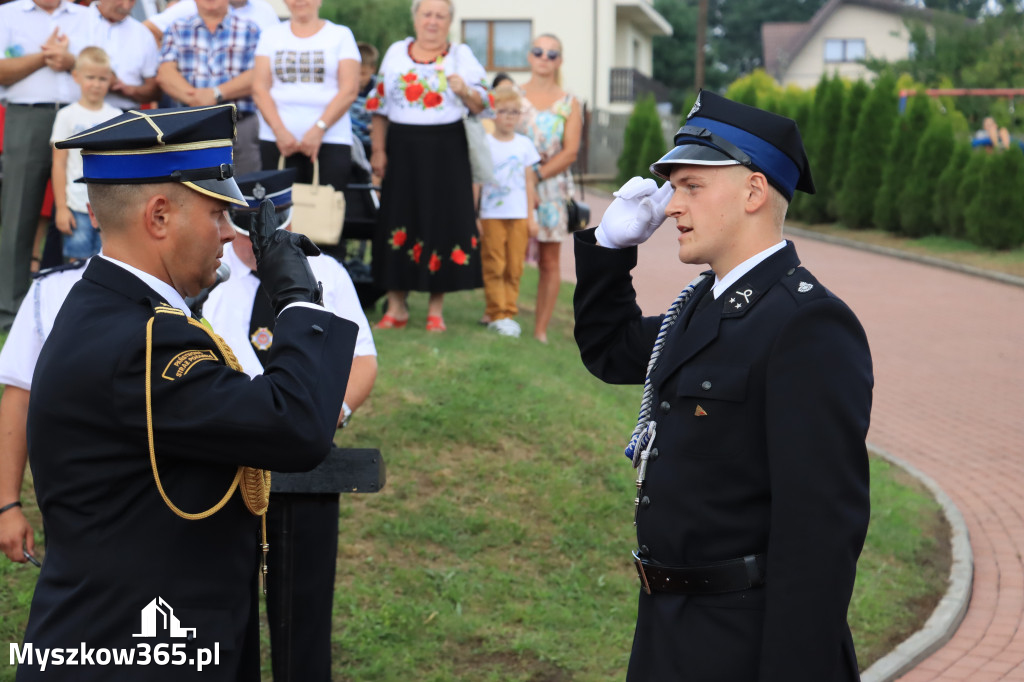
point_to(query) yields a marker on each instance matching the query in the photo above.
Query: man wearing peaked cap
(752, 474)
(146, 439)
(302, 525)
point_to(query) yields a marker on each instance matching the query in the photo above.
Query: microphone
(195, 303)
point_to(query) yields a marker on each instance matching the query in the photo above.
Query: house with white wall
(838, 38)
(608, 61)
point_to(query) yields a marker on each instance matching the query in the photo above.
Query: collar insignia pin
(804, 287)
(699, 412)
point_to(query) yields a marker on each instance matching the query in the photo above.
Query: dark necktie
(261, 324)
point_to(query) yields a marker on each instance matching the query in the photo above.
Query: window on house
(837, 50)
(499, 45)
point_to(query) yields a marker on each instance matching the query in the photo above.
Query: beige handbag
(318, 211)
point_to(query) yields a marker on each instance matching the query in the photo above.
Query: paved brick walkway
(948, 350)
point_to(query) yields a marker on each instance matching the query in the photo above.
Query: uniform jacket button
(665, 407)
(645, 502)
(706, 385)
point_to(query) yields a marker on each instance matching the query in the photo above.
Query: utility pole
(702, 31)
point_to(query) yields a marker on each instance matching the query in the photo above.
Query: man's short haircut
(93, 55)
(369, 54)
(506, 93)
(113, 204)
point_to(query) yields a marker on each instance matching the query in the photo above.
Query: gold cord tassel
(255, 483)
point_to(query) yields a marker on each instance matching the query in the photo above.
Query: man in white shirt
(133, 56)
(38, 42)
(302, 526)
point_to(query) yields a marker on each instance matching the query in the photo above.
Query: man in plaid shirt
(207, 59)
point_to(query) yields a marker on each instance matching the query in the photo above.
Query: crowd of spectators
(306, 93)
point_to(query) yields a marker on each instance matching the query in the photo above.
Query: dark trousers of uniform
(27, 160)
(302, 530)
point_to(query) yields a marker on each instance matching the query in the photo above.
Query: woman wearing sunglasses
(551, 118)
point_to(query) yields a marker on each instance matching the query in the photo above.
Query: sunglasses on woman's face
(539, 52)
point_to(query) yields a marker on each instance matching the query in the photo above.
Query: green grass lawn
(499, 548)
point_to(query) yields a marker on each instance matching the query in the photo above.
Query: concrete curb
(952, 608)
(896, 253)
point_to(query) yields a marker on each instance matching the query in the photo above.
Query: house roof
(783, 40)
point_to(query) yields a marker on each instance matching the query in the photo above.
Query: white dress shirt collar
(169, 293)
(743, 268)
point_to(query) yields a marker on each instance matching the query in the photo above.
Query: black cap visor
(225, 190)
(690, 154)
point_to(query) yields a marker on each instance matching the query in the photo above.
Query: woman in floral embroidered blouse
(426, 233)
(552, 119)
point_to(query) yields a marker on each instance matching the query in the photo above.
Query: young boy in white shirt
(506, 213)
(93, 75)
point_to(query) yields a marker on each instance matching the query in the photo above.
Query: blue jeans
(84, 240)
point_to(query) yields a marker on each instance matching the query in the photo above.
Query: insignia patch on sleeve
(181, 363)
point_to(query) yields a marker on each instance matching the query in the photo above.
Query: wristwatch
(348, 414)
(217, 94)
(321, 125)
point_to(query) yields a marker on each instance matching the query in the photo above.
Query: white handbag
(318, 211)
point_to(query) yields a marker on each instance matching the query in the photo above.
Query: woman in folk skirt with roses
(426, 232)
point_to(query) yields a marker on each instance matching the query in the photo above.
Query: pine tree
(821, 152)
(907, 132)
(916, 203)
(993, 215)
(856, 201)
(945, 214)
(853, 101)
(967, 189)
(654, 146)
(633, 138)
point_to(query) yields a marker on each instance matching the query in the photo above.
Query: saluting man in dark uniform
(752, 502)
(140, 418)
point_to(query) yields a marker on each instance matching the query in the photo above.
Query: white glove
(638, 210)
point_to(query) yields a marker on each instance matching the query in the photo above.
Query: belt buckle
(640, 572)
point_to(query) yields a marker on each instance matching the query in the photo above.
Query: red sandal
(391, 322)
(435, 323)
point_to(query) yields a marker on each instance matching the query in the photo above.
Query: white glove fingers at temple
(656, 204)
(636, 188)
(638, 210)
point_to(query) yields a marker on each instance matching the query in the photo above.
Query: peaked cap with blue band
(275, 185)
(190, 145)
(720, 132)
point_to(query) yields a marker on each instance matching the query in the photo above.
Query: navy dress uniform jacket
(113, 545)
(776, 464)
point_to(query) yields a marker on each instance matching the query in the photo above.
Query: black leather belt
(39, 105)
(719, 577)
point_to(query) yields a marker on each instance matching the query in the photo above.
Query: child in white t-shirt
(506, 213)
(93, 75)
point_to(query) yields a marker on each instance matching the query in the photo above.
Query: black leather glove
(281, 261)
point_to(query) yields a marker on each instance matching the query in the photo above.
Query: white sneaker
(506, 327)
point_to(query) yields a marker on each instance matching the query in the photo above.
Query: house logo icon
(158, 616)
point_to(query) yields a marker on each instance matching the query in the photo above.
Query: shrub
(853, 101)
(916, 203)
(868, 147)
(822, 147)
(654, 147)
(645, 114)
(967, 189)
(906, 136)
(993, 214)
(947, 214)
